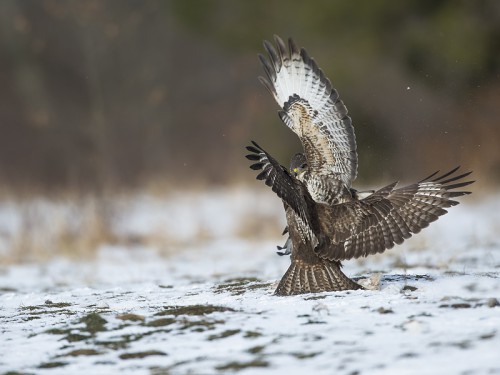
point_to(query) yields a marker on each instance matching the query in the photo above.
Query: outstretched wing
(312, 109)
(289, 189)
(388, 216)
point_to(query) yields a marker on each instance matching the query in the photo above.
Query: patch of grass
(200, 325)
(238, 286)
(316, 338)
(241, 280)
(168, 370)
(94, 323)
(256, 349)
(122, 343)
(52, 364)
(300, 355)
(310, 321)
(406, 278)
(312, 298)
(255, 286)
(252, 334)
(160, 370)
(49, 303)
(57, 331)
(423, 314)
(81, 352)
(383, 310)
(453, 273)
(101, 309)
(124, 340)
(466, 344)
(141, 354)
(74, 337)
(131, 317)
(409, 355)
(160, 322)
(222, 335)
(34, 311)
(30, 308)
(6, 289)
(54, 312)
(464, 303)
(70, 337)
(487, 336)
(193, 310)
(456, 305)
(237, 366)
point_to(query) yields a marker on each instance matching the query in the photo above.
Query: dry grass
(75, 227)
(59, 228)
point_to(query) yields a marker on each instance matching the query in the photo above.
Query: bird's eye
(303, 166)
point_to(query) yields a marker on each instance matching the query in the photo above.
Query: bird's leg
(287, 246)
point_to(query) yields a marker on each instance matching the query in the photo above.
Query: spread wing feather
(289, 189)
(312, 109)
(368, 226)
(388, 216)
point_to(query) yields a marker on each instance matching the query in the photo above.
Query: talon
(287, 248)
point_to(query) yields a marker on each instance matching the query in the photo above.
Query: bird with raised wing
(328, 221)
(311, 108)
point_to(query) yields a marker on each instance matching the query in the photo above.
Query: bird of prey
(327, 220)
(311, 108)
(307, 273)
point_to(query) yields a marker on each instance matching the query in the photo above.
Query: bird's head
(298, 166)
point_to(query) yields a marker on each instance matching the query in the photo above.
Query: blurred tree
(124, 93)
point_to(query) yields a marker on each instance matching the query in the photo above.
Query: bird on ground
(327, 220)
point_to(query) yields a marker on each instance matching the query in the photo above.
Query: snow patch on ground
(211, 309)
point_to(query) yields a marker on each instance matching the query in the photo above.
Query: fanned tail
(323, 276)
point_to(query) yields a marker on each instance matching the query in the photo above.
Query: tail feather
(324, 276)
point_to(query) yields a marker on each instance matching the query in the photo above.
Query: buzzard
(311, 108)
(328, 221)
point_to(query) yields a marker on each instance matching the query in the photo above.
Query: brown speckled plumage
(358, 227)
(328, 222)
(309, 273)
(312, 109)
(306, 277)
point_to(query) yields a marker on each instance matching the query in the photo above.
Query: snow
(210, 308)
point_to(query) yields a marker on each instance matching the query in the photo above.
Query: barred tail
(324, 276)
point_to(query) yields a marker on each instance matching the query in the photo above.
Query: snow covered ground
(206, 306)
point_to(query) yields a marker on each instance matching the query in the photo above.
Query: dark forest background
(127, 94)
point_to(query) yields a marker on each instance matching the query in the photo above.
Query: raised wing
(387, 217)
(288, 188)
(312, 109)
